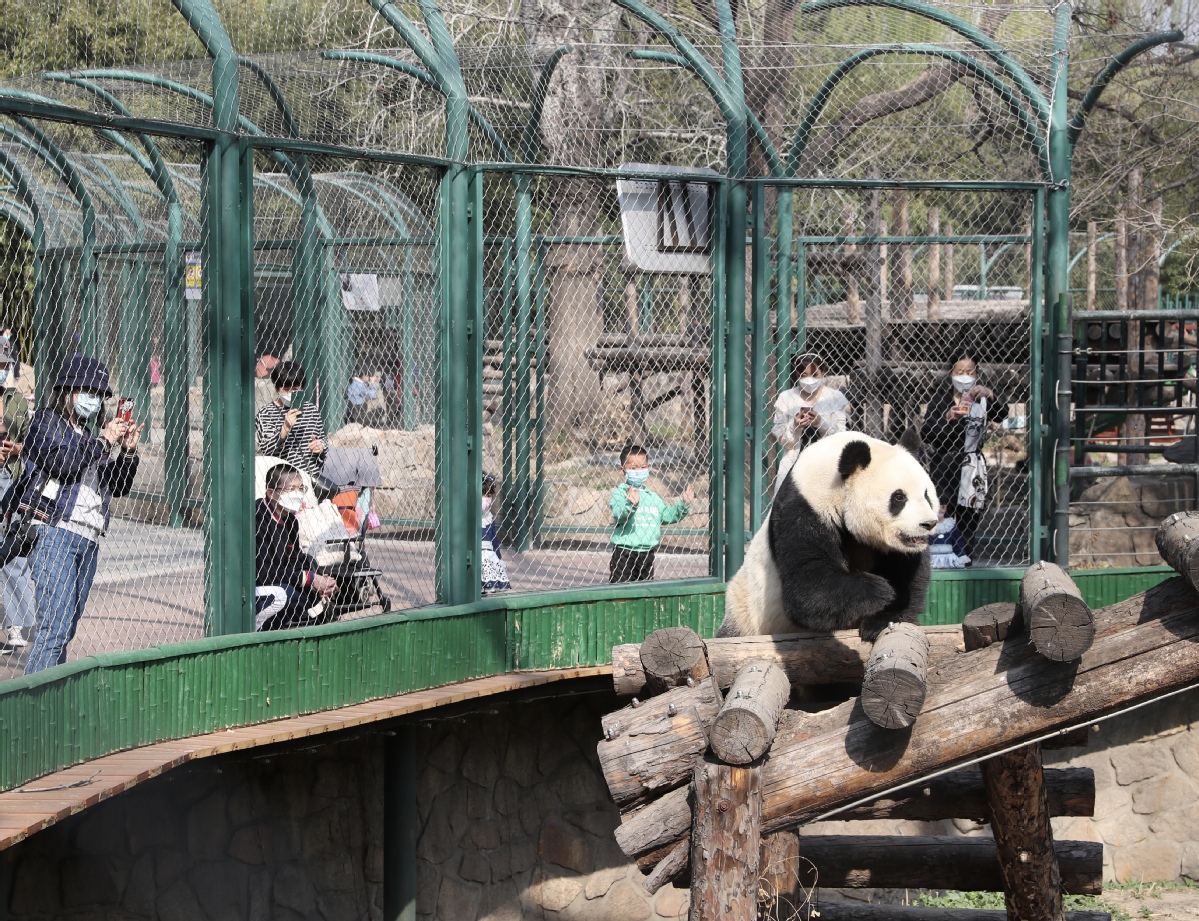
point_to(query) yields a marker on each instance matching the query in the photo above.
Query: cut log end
(1060, 624)
(992, 623)
(671, 656)
(1178, 542)
(893, 688)
(749, 718)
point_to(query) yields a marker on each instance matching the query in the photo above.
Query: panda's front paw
(871, 627)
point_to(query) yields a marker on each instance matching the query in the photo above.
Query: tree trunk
(725, 842)
(905, 304)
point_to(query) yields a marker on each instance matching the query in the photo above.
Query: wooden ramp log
(1178, 542)
(992, 623)
(860, 911)
(725, 842)
(746, 724)
(1019, 808)
(978, 702)
(652, 747)
(893, 684)
(1061, 625)
(805, 658)
(669, 657)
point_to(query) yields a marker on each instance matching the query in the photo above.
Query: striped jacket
(268, 423)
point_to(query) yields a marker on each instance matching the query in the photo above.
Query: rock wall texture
(515, 823)
(1114, 520)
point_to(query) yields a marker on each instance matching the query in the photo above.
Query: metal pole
(718, 435)
(400, 823)
(1037, 431)
(759, 341)
(524, 319)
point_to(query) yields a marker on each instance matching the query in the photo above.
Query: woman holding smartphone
(290, 427)
(76, 463)
(807, 412)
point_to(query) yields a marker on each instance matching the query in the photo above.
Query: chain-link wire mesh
(587, 353)
(891, 287)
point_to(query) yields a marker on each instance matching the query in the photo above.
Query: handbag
(21, 533)
(972, 484)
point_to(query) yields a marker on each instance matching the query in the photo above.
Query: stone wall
(515, 823)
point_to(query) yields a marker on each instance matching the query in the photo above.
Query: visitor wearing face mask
(16, 582)
(289, 592)
(495, 573)
(639, 514)
(290, 427)
(953, 431)
(76, 462)
(807, 412)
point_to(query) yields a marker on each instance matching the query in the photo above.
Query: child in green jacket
(639, 514)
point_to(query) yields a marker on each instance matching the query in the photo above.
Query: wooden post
(853, 303)
(904, 302)
(884, 270)
(1019, 807)
(1121, 244)
(671, 656)
(1060, 623)
(1177, 541)
(949, 280)
(652, 748)
(746, 724)
(934, 265)
(893, 687)
(784, 880)
(991, 623)
(725, 842)
(1134, 423)
(1092, 265)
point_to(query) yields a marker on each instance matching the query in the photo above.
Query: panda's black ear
(854, 456)
(910, 442)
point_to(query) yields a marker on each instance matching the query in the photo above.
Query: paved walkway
(149, 586)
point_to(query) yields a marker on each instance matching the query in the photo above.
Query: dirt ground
(1156, 901)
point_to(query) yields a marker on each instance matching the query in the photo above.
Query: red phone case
(125, 409)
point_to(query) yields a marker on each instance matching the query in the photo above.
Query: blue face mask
(86, 405)
(3, 376)
(636, 477)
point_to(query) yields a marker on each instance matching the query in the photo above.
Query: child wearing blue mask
(639, 514)
(76, 462)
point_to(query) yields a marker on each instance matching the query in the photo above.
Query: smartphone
(297, 399)
(125, 409)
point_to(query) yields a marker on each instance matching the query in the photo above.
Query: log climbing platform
(722, 752)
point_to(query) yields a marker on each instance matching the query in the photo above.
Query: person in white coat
(807, 412)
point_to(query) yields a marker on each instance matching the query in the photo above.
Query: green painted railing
(106, 703)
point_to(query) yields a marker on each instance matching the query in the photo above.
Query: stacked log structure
(958, 734)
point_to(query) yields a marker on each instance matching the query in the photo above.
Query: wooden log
(725, 842)
(672, 866)
(1092, 265)
(893, 686)
(1146, 646)
(949, 280)
(1019, 809)
(669, 657)
(861, 911)
(652, 748)
(1061, 625)
(919, 862)
(785, 883)
(956, 795)
(805, 658)
(904, 302)
(992, 623)
(1178, 542)
(747, 721)
(934, 265)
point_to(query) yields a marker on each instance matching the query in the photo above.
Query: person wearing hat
(16, 583)
(76, 462)
(807, 412)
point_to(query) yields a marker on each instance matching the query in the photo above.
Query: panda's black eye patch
(899, 499)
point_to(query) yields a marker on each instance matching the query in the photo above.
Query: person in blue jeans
(76, 462)
(16, 584)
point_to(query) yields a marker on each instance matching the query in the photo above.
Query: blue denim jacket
(55, 451)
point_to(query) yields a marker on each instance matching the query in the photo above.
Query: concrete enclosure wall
(515, 823)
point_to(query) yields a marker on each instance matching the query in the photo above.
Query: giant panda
(845, 544)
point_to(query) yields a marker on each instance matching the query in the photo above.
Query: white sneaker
(18, 638)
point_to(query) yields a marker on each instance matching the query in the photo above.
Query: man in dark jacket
(289, 591)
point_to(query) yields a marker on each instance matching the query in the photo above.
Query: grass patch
(994, 901)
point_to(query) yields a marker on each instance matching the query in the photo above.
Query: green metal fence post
(524, 321)
(718, 435)
(1035, 426)
(759, 343)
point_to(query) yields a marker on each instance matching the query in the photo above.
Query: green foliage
(995, 901)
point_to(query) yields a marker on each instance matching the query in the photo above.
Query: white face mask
(3, 376)
(292, 500)
(486, 504)
(810, 384)
(963, 382)
(285, 398)
(86, 405)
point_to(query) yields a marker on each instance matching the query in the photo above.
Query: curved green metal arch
(820, 99)
(1082, 252)
(17, 213)
(206, 22)
(993, 49)
(1113, 67)
(528, 137)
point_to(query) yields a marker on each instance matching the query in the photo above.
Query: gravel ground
(1157, 901)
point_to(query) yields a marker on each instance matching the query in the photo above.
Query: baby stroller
(339, 550)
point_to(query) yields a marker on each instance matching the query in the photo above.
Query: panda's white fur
(848, 557)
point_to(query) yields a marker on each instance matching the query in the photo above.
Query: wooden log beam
(805, 658)
(672, 866)
(1061, 625)
(978, 703)
(725, 842)
(860, 911)
(671, 656)
(991, 623)
(1019, 809)
(893, 684)
(652, 748)
(1178, 542)
(747, 721)
(919, 862)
